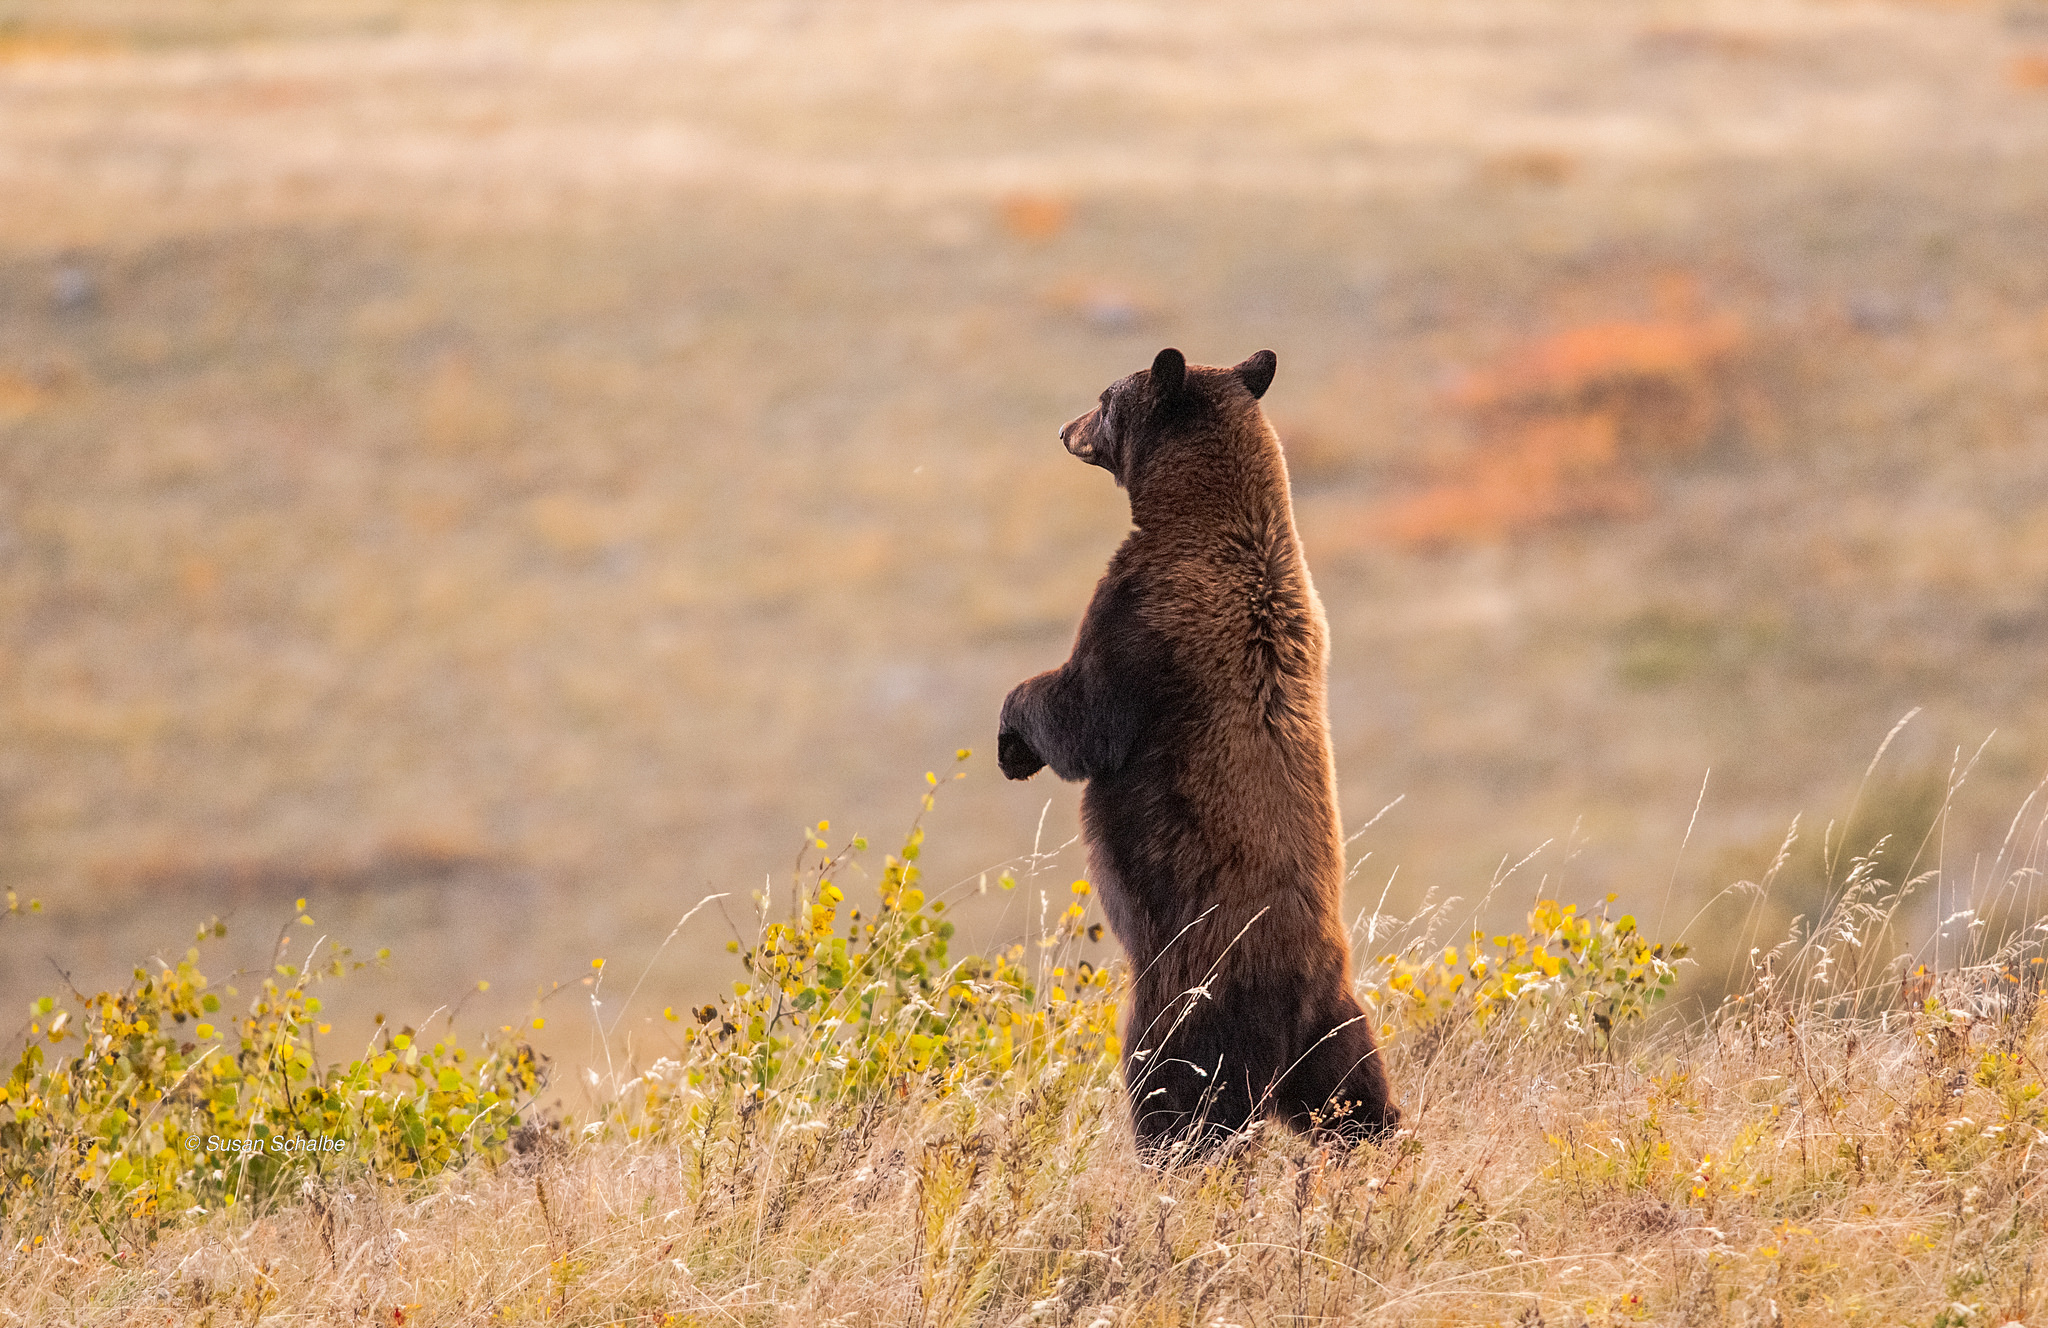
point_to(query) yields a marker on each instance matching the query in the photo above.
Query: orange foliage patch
(1531, 166)
(1561, 421)
(1035, 217)
(198, 578)
(1586, 366)
(19, 396)
(1550, 470)
(2029, 71)
(25, 393)
(20, 46)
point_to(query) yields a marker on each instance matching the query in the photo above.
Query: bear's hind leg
(1186, 1089)
(1339, 1087)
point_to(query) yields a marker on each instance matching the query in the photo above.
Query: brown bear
(1194, 704)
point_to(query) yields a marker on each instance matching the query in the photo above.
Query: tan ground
(501, 469)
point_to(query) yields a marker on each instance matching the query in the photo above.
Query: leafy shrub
(166, 1106)
(834, 1006)
(1586, 974)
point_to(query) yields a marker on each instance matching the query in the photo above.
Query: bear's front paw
(1015, 756)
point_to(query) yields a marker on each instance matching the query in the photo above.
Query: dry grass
(1854, 1138)
(1778, 1167)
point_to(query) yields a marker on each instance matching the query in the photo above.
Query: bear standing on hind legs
(1194, 705)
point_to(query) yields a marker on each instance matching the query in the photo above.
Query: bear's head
(1172, 400)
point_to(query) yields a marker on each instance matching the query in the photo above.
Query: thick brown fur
(1194, 705)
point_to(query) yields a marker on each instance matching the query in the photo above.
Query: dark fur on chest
(1193, 704)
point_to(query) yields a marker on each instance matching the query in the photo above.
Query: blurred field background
(500, 470)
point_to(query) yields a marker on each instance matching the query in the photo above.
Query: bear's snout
(1078, 438)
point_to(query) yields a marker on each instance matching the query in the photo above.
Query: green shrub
(149, 1103)
(834, 1006)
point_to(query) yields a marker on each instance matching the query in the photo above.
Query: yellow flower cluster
(1589, 973)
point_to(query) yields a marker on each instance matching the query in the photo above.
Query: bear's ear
(1256, 373)
(1169, 376)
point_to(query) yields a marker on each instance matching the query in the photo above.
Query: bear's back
(1235, 780)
